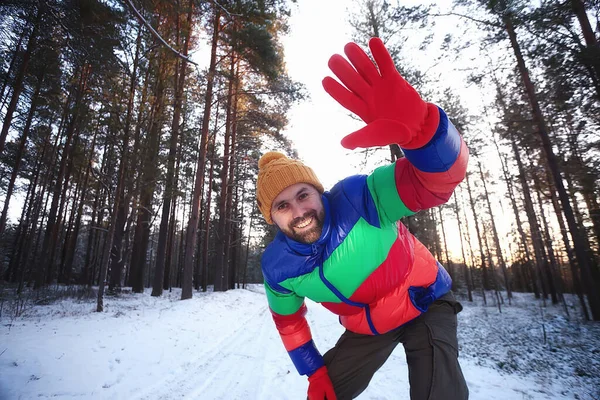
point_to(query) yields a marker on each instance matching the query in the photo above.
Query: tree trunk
(534, 227)
(245, 274)
(73, 243)
(549, 259)
(206, 238)
(192, 227)
(148, 180)
(67, 239)
(117, 259)
(49, 243)
(466, 273)
(484, 273)
(221, 259)
(499, 255)
(86, 273)
(229, 231)
(497, 294)
(448, 263)
(168, 196)
(513, 202)
(172, 236)
(21, 237)
(133, 187)
(577, 287)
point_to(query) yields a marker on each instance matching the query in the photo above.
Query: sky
(319, 29)
(225, 346)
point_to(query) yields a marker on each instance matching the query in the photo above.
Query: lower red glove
(320, 386)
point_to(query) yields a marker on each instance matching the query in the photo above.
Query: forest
(125, 161)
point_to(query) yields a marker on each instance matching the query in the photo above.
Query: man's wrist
(427, 129)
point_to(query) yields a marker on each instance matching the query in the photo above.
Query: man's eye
(282, 206)
(303, 196)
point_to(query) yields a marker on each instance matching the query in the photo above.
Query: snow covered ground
(225, 346)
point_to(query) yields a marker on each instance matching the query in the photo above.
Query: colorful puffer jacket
(366, 266)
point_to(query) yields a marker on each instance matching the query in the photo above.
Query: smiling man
(298, 211)
(347, 249)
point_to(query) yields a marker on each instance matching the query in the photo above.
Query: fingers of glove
(382, 58)
(346, 98)
(349, 76)
(380, 132)
(363, 64)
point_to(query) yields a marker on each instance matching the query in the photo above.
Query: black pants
(431, 350)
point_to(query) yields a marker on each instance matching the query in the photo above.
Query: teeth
(305, 224)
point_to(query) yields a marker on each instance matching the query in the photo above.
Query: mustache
(307, 215)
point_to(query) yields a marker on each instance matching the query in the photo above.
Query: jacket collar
(316, 247)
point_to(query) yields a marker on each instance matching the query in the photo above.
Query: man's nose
(297, 211)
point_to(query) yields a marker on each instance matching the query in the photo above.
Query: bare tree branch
(479, 21)
(156, 34)
(216, 3)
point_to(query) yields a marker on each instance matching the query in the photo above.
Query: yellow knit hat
(275, 173)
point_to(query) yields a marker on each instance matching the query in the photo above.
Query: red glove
(320, 386)
(393, 110)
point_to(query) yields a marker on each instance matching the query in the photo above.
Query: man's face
(298, 211)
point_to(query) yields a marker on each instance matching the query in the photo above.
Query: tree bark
(49, 243)
(169, 195)
(499, 255)
(73, 243)
(549, 259)
(534, 227)
(466, 273)
(192, 226)
(221, 259)
(577, 286)
(448, 263)
(148, 180)
(484, 272)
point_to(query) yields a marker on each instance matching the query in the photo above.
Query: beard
(306, 236)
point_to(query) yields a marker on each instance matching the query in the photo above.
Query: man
(347, 250)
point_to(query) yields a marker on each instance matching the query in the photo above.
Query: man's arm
(436, 156)
(427, 176)
(288, 311)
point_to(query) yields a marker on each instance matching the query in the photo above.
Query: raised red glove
(393, 110)
(320, 386)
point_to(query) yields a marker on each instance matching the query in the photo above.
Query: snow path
(245, 347)
(215, 346)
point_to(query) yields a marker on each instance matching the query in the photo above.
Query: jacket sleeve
(288, 311)
(424, 178)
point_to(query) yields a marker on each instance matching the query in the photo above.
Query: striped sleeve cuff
(307, 358)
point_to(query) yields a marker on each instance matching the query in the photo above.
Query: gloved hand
(393, 110)
(320, 386)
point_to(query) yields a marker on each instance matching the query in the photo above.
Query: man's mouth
(304, 224)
